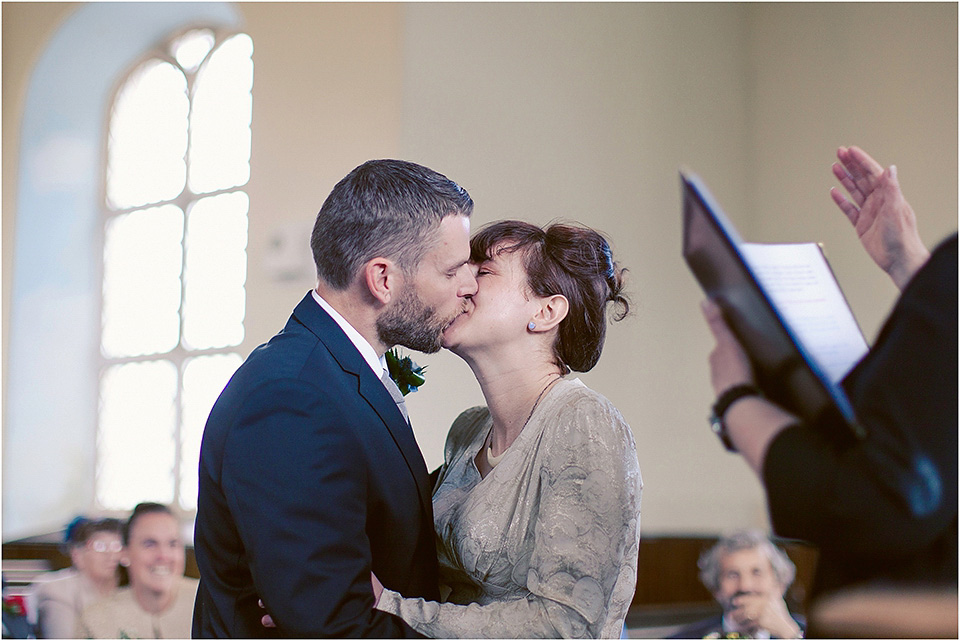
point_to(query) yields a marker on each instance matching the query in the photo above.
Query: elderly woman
(94, 550)
(537, 506)
(158, 603)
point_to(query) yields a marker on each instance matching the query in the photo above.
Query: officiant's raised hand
(883, 219)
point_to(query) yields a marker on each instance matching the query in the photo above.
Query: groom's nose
(468, 281)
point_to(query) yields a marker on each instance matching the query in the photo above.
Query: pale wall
(585, 111)
(35, 22)
(880, 76)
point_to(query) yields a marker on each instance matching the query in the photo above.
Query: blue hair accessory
(72, 528)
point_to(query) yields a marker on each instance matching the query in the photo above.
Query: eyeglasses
(104, 546)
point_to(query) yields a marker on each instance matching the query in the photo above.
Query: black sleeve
(893, 493)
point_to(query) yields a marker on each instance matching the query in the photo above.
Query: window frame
(179, 355)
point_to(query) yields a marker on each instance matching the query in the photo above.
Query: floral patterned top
(546, 544)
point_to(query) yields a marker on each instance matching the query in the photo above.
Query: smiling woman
(158, 603)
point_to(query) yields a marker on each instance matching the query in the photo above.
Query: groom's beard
(412, 324)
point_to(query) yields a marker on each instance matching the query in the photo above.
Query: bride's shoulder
(466, 428)
(578, 406)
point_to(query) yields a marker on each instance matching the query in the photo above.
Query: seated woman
(94, 549)
(158, 603)
(537, 505)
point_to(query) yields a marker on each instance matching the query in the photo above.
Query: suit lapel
(369, 387)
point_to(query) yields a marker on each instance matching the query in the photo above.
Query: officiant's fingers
(864, 170)
(715, 320)
(847, 207)
(729, 364)
(841, 174)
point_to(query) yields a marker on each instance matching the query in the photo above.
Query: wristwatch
(721, 406)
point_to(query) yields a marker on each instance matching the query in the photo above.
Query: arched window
(174, 262)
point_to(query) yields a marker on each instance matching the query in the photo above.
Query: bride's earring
(531, 326)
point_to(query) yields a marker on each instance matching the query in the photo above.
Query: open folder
(786, 308)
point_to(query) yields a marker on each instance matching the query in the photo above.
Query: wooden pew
(668, 593)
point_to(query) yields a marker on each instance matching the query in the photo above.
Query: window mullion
(205, 376)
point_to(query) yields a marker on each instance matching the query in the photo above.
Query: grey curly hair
(709, 562)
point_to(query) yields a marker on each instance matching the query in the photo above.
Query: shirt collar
(377, 364)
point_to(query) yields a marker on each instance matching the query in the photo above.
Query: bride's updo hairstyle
(571, 260)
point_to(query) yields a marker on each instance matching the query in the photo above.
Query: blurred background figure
(158, 603)
(94, 550)
(748, 576)
(15, 622)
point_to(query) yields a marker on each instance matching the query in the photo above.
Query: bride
(537, 506)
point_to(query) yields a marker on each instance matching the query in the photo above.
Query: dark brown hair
(568, 259)
(140, 510)
(81, 529)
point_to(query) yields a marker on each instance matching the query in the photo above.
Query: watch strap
(720, 407)
(731, 396)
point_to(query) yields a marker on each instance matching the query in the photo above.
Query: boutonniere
(15, 605)
(405, 373)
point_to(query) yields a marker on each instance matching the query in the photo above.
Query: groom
(310, 477)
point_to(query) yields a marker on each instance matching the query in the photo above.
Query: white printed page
(798, 280)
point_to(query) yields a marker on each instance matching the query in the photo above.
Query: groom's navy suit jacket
(310, 478)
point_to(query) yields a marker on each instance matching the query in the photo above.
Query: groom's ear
(383, 279)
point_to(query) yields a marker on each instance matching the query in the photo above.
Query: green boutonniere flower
(405, 373)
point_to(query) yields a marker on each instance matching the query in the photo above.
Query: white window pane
(204, 378)
(135, 445)
(191, 48)
(148, 137)
(214, 302)
(142, 261)
(220, 120)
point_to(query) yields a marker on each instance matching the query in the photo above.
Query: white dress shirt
(377, 364)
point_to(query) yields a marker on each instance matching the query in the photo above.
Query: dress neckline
(523, 436)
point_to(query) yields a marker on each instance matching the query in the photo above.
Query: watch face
(716, 424)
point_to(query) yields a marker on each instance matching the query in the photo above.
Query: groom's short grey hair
(389, 208)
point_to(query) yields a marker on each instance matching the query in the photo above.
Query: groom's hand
(267, 621)
(377, 588)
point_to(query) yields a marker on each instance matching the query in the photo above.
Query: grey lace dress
(546, 544)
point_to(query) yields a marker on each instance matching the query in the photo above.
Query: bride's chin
(448, 336)
(448, 340)
(452, 339)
